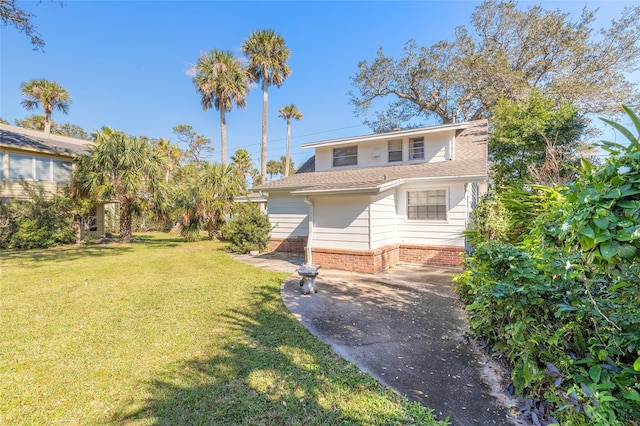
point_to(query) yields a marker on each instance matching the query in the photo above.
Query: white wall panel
(288, 215)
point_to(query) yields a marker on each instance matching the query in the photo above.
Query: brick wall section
(291, 245)
(367, 262)
(373, 261)
(450, 256)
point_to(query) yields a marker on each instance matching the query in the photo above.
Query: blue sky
(124, 63)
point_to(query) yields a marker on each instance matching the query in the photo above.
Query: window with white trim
(346, 156)
(395, 150)
(427, 205)
(416, 149)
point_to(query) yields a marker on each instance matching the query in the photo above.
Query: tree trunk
(263, 148)
(211, 228)
(126, 236)
(223, 136)
(47, 123)
(287, 161)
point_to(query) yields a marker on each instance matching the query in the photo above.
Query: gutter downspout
(308, 202)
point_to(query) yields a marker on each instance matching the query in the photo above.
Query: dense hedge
(39, 222)
(561, 304)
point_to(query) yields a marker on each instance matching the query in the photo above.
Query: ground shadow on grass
(269, 371)
(166, 240)
(43, 257)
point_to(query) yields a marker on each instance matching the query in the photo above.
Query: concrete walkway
(406, 328)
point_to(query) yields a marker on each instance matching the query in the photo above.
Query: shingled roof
(470, 163)
(33, 140)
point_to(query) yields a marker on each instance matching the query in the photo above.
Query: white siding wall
(375, 153)
(384, 220)
(288, 215)
(445, 233)
(341, 222)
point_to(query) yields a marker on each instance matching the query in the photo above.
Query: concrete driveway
(406, 328)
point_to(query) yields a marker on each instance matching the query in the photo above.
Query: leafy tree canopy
(12, 15)
(71, 130)
(534, 141)
(197, 144)
(35, 122)
(504, 53)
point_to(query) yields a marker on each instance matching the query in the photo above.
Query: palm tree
(222, 185)
(119, 168)
(243, 164)
(222, 81)
(47, 93)
(205, 198)
(288, 112)
(267, 54)
(171, 155)
(274, 168)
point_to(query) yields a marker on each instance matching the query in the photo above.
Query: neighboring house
(45, 161)
(367, 203)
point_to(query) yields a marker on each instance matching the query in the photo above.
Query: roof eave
(387, 135)
(40, 151)
(366, 190)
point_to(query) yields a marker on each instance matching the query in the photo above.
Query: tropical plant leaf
(621, 129)
(601, 222)
(627, 251)
(587, 231)
(609, 250)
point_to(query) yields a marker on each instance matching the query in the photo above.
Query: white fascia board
(366, 190)
(388, 135)
(467, 178)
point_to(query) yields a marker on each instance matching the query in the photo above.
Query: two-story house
(30, 156)
(369, 202)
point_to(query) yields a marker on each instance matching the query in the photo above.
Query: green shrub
(40, 221)
(561, 303)
(248, 230)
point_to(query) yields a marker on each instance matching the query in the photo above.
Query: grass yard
(168, 333)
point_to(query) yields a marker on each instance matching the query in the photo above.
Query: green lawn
(168, 333)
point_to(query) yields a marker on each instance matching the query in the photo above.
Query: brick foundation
(291, 245)
(374, 261)
(367, 262)
(450, 256)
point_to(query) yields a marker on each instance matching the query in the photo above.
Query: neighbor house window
(347, 156)
(427, 205)
(395, 151)
(21, 167)
(26, 167)
(416, 148)
(43, 169)
(61, 170)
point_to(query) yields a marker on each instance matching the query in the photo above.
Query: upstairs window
(416, 149)
(347, 156)
(427, 205)
(395, 151)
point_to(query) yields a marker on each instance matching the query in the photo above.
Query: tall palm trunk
(263, 148)
(223, 136)
(287, 160)
(126, 236)
(47, 122)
